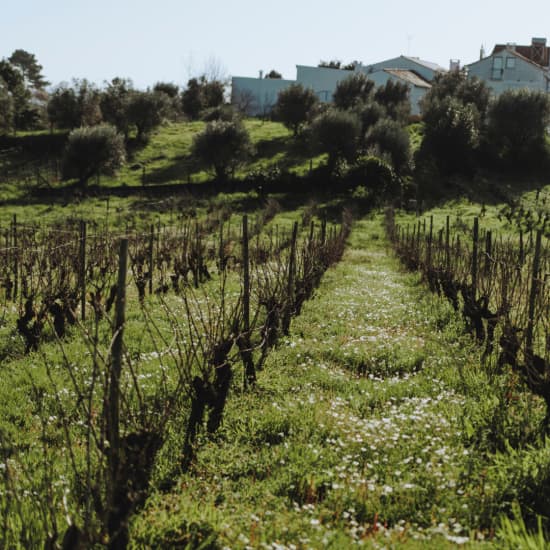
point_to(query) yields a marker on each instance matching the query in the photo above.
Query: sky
(172, 40)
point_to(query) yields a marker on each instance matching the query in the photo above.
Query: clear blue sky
(170, 40)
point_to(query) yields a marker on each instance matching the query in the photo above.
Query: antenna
(409, 40)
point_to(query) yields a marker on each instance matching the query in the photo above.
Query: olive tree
(222, 146)
(91, 151)
(517, 122)
(354, 90)
(294, 105)
(336, 133)
(391, 138)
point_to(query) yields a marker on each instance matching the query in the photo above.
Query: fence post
(447, 244)
(15, 259)
(82, 269)
(474, 256)
(533, 298)
(244, 338)
(430, 241)
(113, 405)
(290, 283)
(488, 251)
(151, 251)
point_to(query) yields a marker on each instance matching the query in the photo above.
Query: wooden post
(430, 241)
(447, 244)
(15, 259)
(151, 259)
(474, 256)
(113, 404)
(533, 297)
(290, 283)
(244, 338)
(488, 251)
(82, 269)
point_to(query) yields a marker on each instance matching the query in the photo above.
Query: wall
(321, 80)
(524, 75)
(260, 94)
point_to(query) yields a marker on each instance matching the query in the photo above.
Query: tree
(6, 109)
(294, 105)
(114, 102)
(391, 138)
(169, 88)
(352, 91)
(369, 114)
(336, 133)
(517, 122)
(457, 84)
(451, 134)
(30, 68)
(145, 111)
(222, 145)
(454, 113)
(201, 94)
(394, 97)
(274, 74)
(76, 105)
(91, 151)
(24, 115)
(333, 64)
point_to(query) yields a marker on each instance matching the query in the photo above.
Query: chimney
(538, 50)
(261, 74)
(481, 52)
(454, 65)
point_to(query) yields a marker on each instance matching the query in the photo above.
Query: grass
(374, 423)
(325, 455)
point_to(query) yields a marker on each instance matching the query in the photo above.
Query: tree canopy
(294, 105)
(222, 145)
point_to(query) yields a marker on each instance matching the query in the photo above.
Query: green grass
(322, 456)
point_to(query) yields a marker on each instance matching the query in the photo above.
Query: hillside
(374, 418)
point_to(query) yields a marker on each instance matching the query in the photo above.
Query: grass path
(355, 434)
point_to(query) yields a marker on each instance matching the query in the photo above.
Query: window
(496, 73)
(510, 62)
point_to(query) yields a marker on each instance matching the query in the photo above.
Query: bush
(517, 123)
(352, 91)
(223, 146)
(451, 134)
(294, 105)
(391, 138)
(222, 112)
(92, 151)
(336, 133)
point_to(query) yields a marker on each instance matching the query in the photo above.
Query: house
(257, 96)
(511, 67)
(425, 69)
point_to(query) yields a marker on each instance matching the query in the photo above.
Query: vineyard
(501, 285)
(130, 336)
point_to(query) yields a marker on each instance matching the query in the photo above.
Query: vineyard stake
(82, 269)
(113, 411)
(533, 297)
(474, 256)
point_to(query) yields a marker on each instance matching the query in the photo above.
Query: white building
(257, 96)
(511, 67)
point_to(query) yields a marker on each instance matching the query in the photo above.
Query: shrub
(294, 105)
(352, 91)
(92, 151)
(391, 138)
(517, 124)
(223, 146)
(336, 133)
